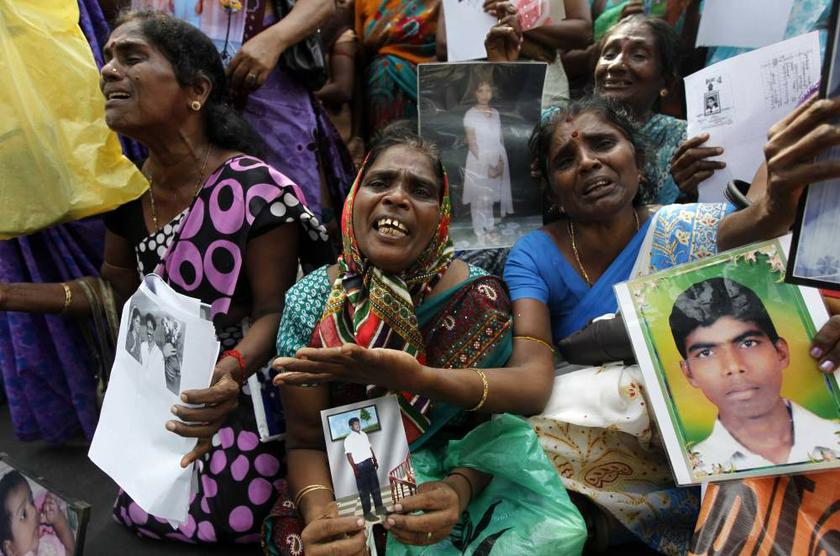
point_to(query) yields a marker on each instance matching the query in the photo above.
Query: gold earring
(195, 105)
(663, 92)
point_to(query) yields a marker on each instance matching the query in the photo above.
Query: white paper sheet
(466, 27)
(743, 23)
(736, 101)
(131, 443)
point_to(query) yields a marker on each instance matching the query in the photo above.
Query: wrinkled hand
(792, 145)
(202, 422)
(825, 347)
(441, 509)
(689, 166)
(633, 7)
(388, 368)
(504, 40)
(51, 513)
(251, 66)
(334, 536)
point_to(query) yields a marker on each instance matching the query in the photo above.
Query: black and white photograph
(481, 115)
(369, 458)
(156, 341)
(815, 252)
(712, 102)
(35, 520)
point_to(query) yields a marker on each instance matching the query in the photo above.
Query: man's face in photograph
(356, 426)
(736, 366)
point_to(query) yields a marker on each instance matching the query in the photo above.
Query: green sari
(525, 508)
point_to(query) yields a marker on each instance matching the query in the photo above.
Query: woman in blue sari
(595, 428)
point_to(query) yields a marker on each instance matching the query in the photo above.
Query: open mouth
(617, 84)
(391, 227)
(116, 96)
(596, 184)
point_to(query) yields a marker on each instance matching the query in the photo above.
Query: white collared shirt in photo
(814, 438)
(357, 445)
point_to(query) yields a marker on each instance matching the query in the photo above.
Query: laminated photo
(481, 116)
(815, 251)
(369, 459)
(40, 520)
(723, 345)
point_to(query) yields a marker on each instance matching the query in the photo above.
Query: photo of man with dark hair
(134, 338)
(151, 355)
(360, 454)
(732, 352)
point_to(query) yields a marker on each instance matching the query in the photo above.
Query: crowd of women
(246, 154)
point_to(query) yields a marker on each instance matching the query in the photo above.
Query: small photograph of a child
(481, 115)
(35, 521)
(487, 170)
(156, 341)
(369, 459)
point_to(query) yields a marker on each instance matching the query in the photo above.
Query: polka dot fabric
(242, 199)
(237, 482)
(201, 253)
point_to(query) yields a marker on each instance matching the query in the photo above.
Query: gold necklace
(575, 251)
(198, 185)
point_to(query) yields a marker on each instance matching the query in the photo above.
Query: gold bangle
(538, 340)
(485, 387)
(308, 489)
(68, 298)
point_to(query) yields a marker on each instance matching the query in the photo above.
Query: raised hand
(388, 368)
(689, 166)
(504, 40)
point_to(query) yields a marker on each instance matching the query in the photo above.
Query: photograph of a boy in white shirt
(731, 352)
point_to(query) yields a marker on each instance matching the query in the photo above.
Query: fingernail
(184, 398)
(719, 150)
(391, 522)
(360, 522)
(398, 508)
(827, 366)
(174, 410)
(816, 351)
(170, 426)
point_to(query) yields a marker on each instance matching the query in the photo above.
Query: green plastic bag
(524, 509)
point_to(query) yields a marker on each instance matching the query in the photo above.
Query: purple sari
(46, 368)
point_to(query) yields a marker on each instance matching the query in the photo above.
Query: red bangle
(236, 354)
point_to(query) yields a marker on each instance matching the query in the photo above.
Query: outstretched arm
(523, 387)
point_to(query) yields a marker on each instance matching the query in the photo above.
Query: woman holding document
(636, 65)
(218, 224)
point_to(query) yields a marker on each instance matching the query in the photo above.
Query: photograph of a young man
(731, 352)
(360, 454)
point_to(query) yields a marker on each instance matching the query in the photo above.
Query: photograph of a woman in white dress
(487, 171)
